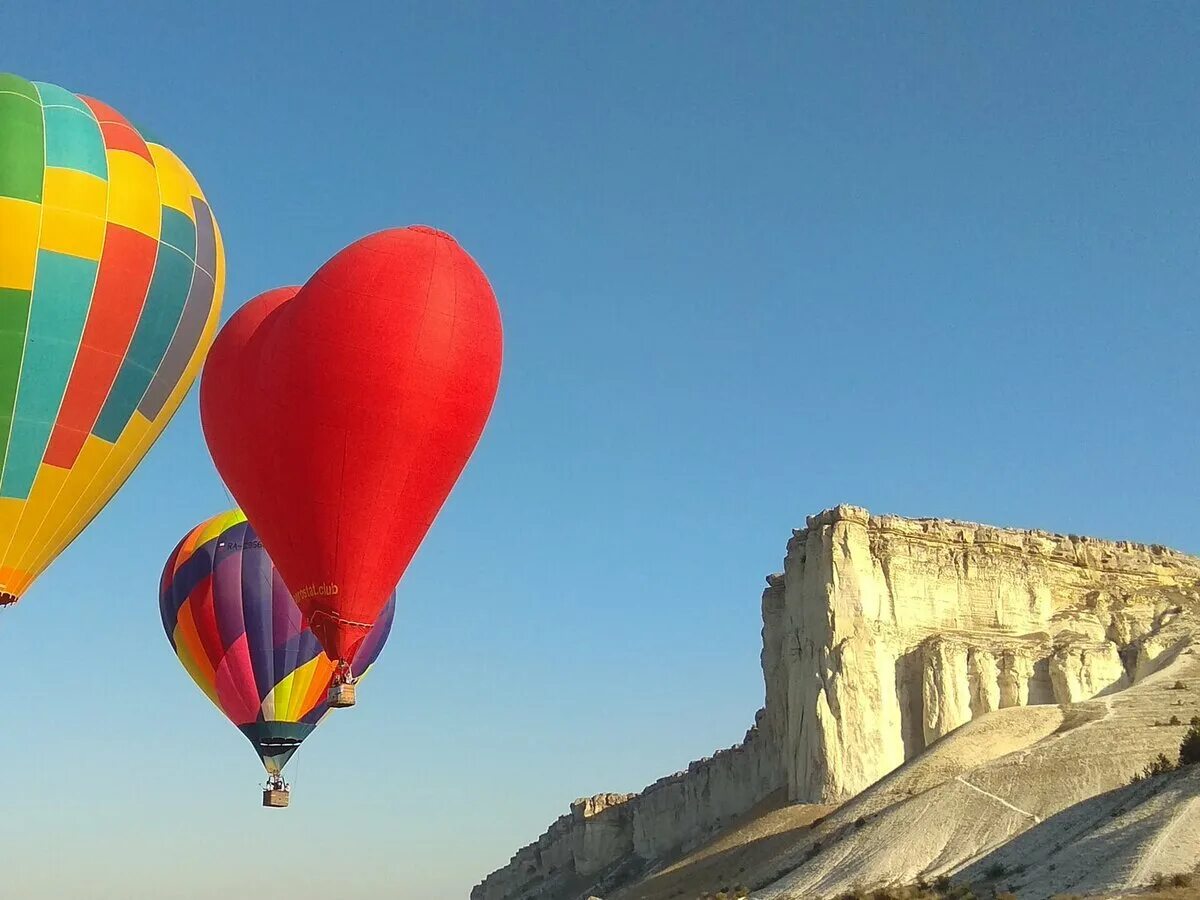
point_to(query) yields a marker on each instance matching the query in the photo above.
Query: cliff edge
(881, 636)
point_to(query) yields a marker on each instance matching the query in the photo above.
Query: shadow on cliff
(746, 853)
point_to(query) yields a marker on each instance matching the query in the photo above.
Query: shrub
(942, 883)
(1160, 766)
(1179, 686)
(996, 870)
(860, 821)
(1181, 880)
(1174, 721)
(1189, 749)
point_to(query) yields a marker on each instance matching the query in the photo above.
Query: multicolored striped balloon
(244, 641)
(111, 275)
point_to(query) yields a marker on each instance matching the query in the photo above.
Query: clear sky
(753, 259)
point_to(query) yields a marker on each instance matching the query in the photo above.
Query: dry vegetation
(1189, 752)
(1164, 887)
(1172, 887)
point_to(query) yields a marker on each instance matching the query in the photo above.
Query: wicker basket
(276, 798)
(341, 695)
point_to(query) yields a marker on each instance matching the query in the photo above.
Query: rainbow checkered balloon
(111, 275)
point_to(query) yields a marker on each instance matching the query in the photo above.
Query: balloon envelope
(111, 274)
(341, 413)
(239, 634)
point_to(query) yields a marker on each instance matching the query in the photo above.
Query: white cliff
(881, 636)
(614, 836)
(884, 634)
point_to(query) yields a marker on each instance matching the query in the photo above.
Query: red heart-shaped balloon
(341, 413)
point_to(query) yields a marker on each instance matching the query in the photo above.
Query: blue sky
(753, 259)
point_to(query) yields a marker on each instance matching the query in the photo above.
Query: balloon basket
(341, 695)
(276, 798)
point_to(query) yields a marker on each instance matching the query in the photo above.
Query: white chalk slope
(1041, 791)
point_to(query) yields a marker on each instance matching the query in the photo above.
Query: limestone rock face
(881, 636)
(601, 831)
(616, 835)
(884, 634)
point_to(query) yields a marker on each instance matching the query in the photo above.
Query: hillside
(952, 686)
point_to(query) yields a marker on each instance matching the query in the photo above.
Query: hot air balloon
(341, 413)
(243, 640)
(111, 274)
